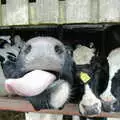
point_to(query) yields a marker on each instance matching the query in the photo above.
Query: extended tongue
(31, 84)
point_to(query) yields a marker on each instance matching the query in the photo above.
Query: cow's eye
(58, 49)
(27, 49)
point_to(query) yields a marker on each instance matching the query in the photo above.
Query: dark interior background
(68, 34)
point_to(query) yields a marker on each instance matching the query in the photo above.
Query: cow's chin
(90, 104)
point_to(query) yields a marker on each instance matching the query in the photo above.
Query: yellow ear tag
(84, 77)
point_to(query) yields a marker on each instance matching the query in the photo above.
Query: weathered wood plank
(109, 11)
(17, 104)
(79, 11)
(44, 11)
(62, 13)
(15, 12)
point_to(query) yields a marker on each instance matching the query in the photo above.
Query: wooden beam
(21, 105)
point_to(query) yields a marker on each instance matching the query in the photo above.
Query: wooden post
(15, 12)
(81, 11)
(109, 11)
(44, 11)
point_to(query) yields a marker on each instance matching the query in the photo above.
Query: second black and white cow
(111, 96)
(92, 73)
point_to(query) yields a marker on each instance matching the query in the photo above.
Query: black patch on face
(116, 89)
(100, 70)
(41, 101)
(83, 68)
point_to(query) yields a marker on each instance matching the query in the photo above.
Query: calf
(92, 73)
(8, 51)
(111, 96)
(51, 97)
(47, 54)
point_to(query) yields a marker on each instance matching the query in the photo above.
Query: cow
(92, 73)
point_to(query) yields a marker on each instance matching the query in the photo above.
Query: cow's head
(91, 72)
(110, 97)
(47, 54)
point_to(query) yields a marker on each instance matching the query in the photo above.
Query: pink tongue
(31, 84)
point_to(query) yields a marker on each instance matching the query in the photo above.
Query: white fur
(114, 66)
(61, 95)
(89, 99)
(114, 62)
(107, 95)
(82, 55)
(75, 117)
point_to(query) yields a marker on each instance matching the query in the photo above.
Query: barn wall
(109, 11)
(44, 11)
(14, 12)
(26, 12)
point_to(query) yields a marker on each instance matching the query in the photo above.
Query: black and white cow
(8, 51)
(92, 73)
(111, 96)
(46, 54)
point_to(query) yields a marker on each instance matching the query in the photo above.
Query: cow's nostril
(108, 106)
(91, 110)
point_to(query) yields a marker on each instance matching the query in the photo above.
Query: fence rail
(21, 105)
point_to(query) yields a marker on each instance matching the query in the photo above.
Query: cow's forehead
(83, 55)
(37, 41)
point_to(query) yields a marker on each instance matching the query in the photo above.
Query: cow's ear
(91, 45)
